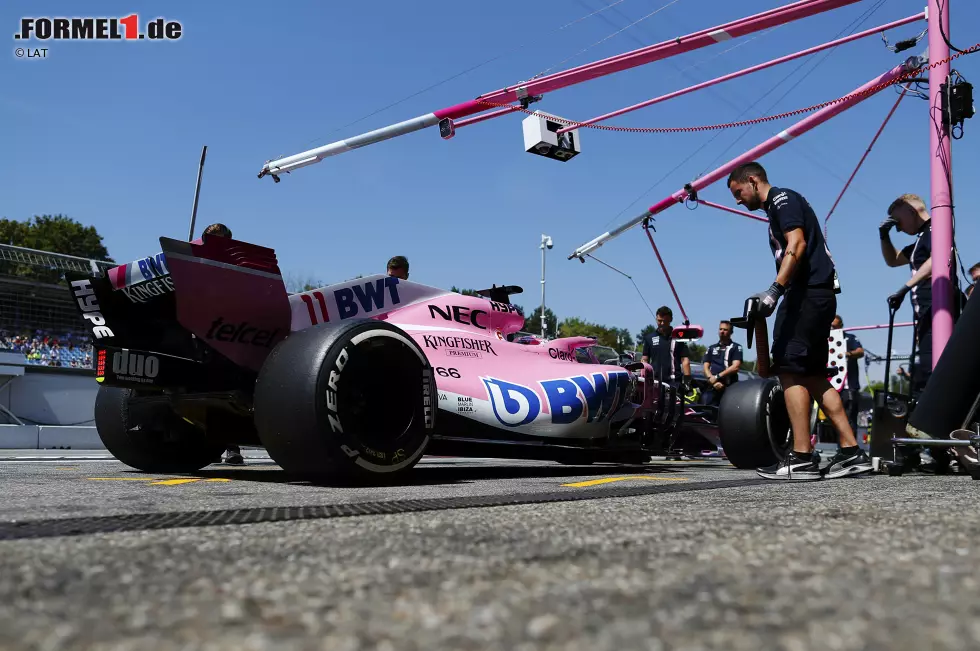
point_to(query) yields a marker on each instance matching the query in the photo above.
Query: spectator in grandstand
(721, 364)
(670, 359)
(398, 267)
(854, 352)
(233, 453)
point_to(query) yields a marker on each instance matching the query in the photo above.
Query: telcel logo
(241, 333)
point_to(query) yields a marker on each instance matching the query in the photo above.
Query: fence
(37, 315)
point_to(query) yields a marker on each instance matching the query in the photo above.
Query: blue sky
(110, 133)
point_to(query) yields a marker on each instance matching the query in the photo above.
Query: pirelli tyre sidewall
(753, 423)
(352, 399)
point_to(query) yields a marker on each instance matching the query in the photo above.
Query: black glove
(895, 300)
(886, 226)
(686, 384)
(769, 298)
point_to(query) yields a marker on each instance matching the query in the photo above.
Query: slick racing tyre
(753, 423)
(151, 437)
(354, 400)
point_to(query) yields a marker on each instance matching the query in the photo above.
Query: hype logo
(513, 404)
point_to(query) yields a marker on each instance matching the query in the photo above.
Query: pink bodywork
(538, 389)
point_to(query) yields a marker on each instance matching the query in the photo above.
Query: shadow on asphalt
(424, 475)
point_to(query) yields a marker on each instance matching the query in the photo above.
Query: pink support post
(819, 117)
(878, 327)
(941, 185)
(746, 71)
(558, 80)
(743, 213)
(666, 274)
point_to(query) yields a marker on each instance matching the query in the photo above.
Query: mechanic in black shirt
(670, 359)
(909, 215)
(853, 352)
(805, 274)
(721, 364)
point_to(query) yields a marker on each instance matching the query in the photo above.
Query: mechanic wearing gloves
(721, 364)
(909, 215)
(800, 348)
(233, 453)
(666, 355)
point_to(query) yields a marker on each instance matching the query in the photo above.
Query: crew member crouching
(721, 364)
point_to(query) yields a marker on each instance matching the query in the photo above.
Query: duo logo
(593, 397)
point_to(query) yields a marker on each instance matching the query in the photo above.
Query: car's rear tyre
(150, 437)
(753, 423)
(350, 400)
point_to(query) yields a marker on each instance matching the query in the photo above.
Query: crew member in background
(398, 267)
(721, 364)
(909, 215)
(670, 359)
(806, 275)
(854, 352)
(974, 277)
(233, 453)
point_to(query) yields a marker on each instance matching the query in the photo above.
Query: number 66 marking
(309, 305)
(447, 372)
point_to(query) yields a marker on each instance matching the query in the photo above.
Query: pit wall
(56, 404)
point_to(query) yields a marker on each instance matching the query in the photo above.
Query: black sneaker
(843, 464)
(795, 467)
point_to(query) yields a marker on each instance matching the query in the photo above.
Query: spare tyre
(355, 399)
(753, 423)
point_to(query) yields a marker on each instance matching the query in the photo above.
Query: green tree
(575, 327)
(748, 365)
(464, 292)
(52, 234)
(532, 322)
(647, 330)
(697, 352)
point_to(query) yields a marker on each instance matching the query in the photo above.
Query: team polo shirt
(787, 210)
(720, 356)
(853, 377)
(917, 255)
(665, 355)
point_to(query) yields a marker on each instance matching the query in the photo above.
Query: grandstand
(37, 315)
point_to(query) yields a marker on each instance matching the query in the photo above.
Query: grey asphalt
(873, 563)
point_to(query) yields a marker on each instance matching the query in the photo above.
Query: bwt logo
(153, 267)
(594, 398)
(97, 29)
(368, 297)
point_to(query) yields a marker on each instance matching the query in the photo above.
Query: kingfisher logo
(97, 29)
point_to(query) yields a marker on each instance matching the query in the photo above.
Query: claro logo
(89, 305)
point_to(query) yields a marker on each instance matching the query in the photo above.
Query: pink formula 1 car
(201, 346)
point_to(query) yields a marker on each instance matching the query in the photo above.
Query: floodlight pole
(197, 193)
(546, 244)
(941, 181)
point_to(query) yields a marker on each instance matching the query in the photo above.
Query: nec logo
(241, 333)
(459, 314)
(368, 297)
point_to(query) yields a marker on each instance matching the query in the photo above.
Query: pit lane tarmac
(476, 554)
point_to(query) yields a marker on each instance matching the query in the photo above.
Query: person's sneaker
(795, 467)
(845, 464)
(235, 459)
